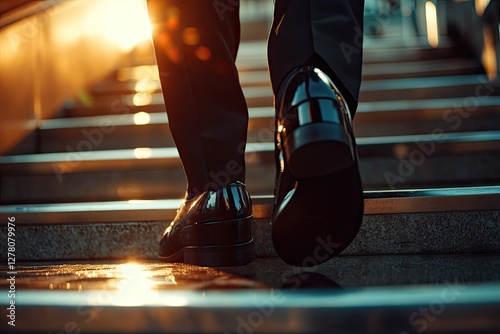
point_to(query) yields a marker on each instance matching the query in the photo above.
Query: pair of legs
(196, 43)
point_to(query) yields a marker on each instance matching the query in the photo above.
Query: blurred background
(83, 116)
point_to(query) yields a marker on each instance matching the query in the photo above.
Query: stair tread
(261, 76)
(376, 202)
(427, 82)
(250, 48)
(258, 48)
(171, 152)
(160, 117)
(381, 87)
(318, 310)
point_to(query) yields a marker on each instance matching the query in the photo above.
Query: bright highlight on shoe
(321, 75)
(432, 24)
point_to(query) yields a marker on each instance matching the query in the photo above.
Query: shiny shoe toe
(318, 205)
(213, 229)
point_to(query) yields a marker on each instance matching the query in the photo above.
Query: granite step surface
(474, 85)
(372, 119)
(430, 221)
(391, 162)
(349, 294)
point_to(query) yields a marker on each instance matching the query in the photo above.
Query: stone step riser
(261, 129)
(122, 82)
(420, 233)
(118, 181)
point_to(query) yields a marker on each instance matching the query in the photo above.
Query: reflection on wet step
(350, 272)
(263, 274)
(129, 277)
(362, 294)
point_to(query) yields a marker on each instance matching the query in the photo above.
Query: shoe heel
(317, 149)
(222, 243)
(220, 256)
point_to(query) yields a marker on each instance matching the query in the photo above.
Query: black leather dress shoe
(213, 229)
(318, 206)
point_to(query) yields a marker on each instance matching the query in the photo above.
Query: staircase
(93, 196)
(428, 130)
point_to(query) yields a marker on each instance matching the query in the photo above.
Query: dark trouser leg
(319, 197)
(196, 44)
(322, 33)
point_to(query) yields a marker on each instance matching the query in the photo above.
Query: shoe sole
(220, 256)
(320, 217)
(216, 244)
(307, 148)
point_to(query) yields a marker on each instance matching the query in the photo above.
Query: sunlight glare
(142, 118)
(432, 24)
(136, 287)
(127, 24)
(142, 99)
(481, 6)
(143, 152)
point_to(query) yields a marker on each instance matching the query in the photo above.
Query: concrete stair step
(317, 311)
(486, 98)
(168, 181)
(473, 86)
(372, 119)
(266, 296)
(368, 147)
(417, 69)
(252, 54)
(377, 71)
(396, 162)
(125, 80)
(396, 222)
(468, 86)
